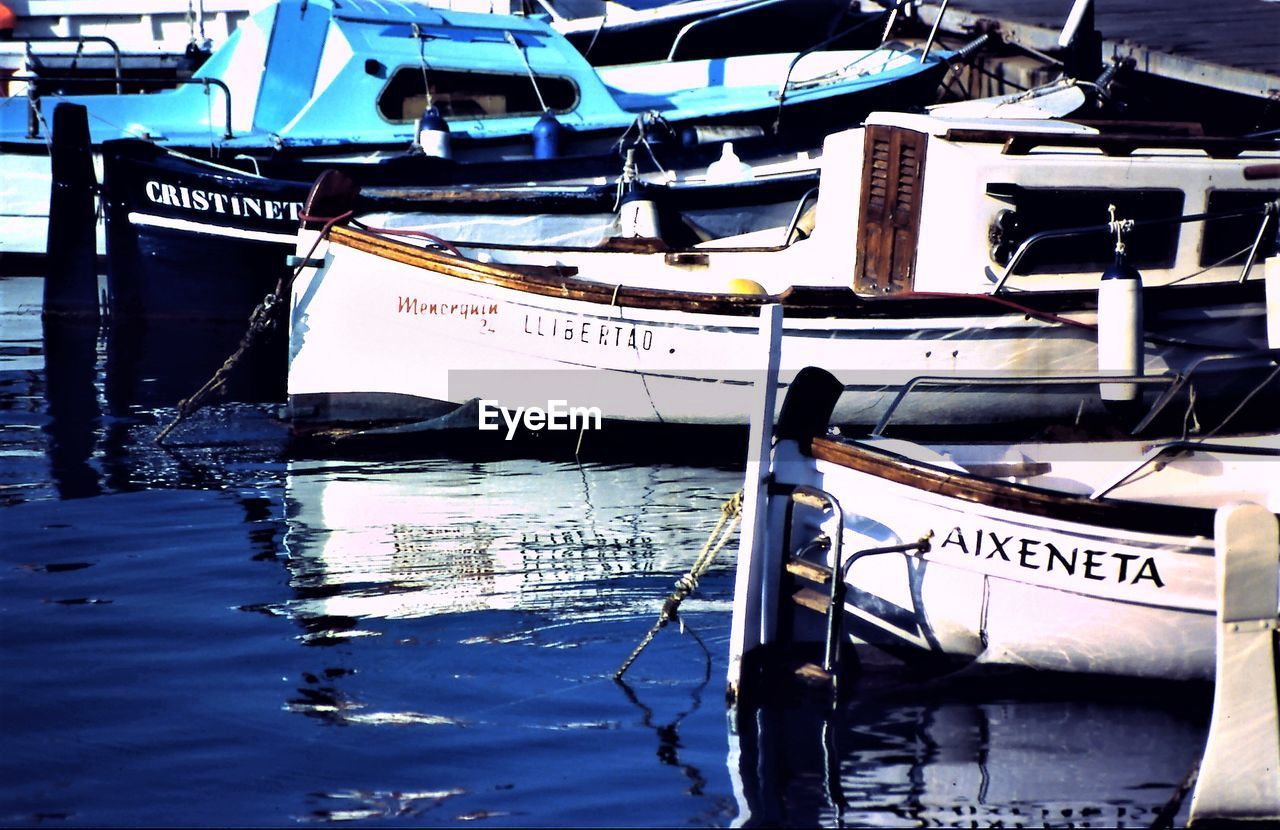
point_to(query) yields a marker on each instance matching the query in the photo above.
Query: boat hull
(385, 332)
(1005, 555)
(1003, 588)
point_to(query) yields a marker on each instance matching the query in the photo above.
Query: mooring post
(1239, 779)
(71, 255)
(752, 616)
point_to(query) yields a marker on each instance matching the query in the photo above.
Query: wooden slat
(813, 673)
(812, 599)
(811, 571)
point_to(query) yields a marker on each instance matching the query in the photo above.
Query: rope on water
(730, 516)
(261, 319)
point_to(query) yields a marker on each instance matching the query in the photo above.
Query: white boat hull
(376, 338)
(1004, 554)
(999, 587)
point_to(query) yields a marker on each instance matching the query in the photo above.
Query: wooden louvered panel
(892, 171)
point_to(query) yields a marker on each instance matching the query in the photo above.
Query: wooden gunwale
(804, 302)
(1105, 514)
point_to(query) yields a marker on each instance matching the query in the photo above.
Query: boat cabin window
(1227, 241)
(472, 94)
(1032, 210)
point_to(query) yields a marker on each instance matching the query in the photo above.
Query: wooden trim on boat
(801, 302)
(1139, 517)
(548, 281)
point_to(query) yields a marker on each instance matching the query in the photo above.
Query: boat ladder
(817, 574)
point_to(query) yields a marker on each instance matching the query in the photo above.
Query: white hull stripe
(209, 230)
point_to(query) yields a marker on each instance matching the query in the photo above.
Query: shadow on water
(106, 391)
(158, 362)
(71, 405)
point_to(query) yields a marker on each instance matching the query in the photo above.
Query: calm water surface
(228, 632)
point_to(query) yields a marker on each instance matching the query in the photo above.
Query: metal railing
(34, 96)
(1012, 380)
(1266, 211)
(693, 24)
(81, 40)
(1175, 382)
(1164, 449)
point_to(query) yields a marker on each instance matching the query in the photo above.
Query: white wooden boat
(1073, 556)
(948, 247)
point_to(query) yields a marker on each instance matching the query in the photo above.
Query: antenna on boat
(547, 132)
(432, 134)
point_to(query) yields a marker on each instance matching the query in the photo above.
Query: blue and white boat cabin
(343, 72)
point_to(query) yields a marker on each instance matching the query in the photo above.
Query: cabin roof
(401, 11)
(939, 125)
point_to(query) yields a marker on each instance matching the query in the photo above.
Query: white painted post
(1272, 272)
(751, 587)
(1239, 776)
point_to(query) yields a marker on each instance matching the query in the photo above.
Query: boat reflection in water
(406, 539)
(1049, 753)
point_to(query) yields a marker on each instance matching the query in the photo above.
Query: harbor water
(229, 631)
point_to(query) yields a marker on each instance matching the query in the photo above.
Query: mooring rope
(730, 516)
(260, 319)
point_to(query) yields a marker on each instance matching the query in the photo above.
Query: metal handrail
(205, 82)
(80, 39)
(1176, 382)
(1263, 356)
(693, 24)
(1013, 380)
(1083, 230)
(1173, 446)
(795, 217)
(786, 79)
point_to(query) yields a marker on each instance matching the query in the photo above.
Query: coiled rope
(261, 319)
(730, 517)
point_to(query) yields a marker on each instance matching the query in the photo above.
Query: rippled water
(228, 632)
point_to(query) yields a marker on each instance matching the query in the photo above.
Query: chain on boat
(261, 319)
(730, 518)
